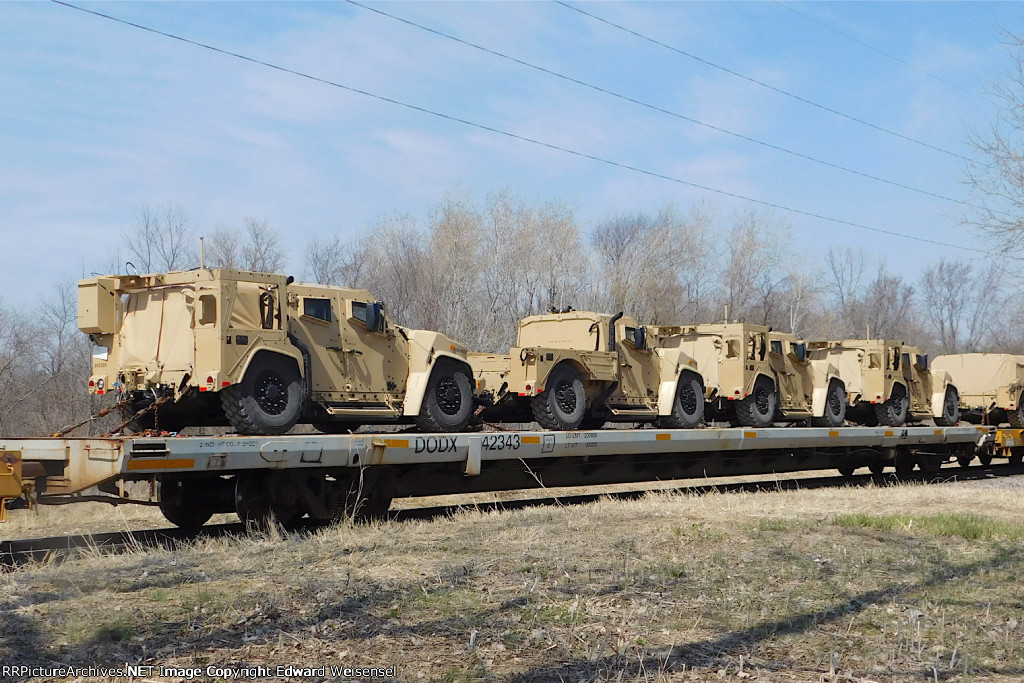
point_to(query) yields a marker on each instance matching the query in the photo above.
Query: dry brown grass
(775, 586)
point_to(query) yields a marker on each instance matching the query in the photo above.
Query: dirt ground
(907, 582)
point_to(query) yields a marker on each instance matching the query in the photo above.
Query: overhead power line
(656, 108)
(769, 86)
(515, 136)
(880, 51)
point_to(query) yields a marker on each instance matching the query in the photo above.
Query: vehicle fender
(673, 363)
(425, 349)
(238, 372)
(822, 374)
(940, 380)
(749, 389)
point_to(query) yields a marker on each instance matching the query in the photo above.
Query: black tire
(1016, 417)
(758, 409)
(835, 406)
(141, 423)
(965, 459)
(182, 503)
(269, 398)
(688, 406)
(562, 405)
(894, 412)
(950, 409)
(592, 422)
(448, 401)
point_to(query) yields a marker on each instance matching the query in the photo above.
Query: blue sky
(99, 118)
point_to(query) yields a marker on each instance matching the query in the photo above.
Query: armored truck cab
(990, 385)
(890, 383)
(755, 376)
(260, 353)
(576, 369)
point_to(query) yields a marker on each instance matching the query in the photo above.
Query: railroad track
(14, 553)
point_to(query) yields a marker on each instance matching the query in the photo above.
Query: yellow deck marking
(530, 439)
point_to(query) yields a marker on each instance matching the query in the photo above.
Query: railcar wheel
(847, 469)
(985, 459)
(835, 406)
(758, 409)
(181, 502)
(688, 406)
(904, 464)
(268, 400)
(563, 403)
(950, 409)
(1016, 456)
(261, 497)
(876, 466)
(929, 464)
(893, 413)
(965, 459)
(448, 401)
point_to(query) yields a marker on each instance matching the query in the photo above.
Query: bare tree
(997, 176)
(224, 249)
(960, 305)
(753, 275)
(162, 240)
(331, 261)
(263, 251)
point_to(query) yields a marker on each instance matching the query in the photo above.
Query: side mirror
(800, 351)
(374, 317)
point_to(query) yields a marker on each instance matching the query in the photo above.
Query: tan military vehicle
(260, 352)
(578, 369)
(755, 376)
(991, 386)
(890, 383)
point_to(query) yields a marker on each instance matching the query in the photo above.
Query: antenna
(202, 254)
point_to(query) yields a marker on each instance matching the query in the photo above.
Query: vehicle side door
(375, 355)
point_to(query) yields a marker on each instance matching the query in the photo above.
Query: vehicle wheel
(182, 503)
(950, 409)
(985, 459)
(893, 412)
(448, 401)
(373, 500)
(688, 406)
(261, 497)
(1016, 417)
(268, 400)
(965, 459)
(563, 403)
(758, 409)
(336, 427)
(1016, 456)
(847, 470)
(904, 464)
(876, 466)
(835, 407)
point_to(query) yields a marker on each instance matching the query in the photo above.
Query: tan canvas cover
(981, 374)
(560, 334)
(157, 329)
(245, 313)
